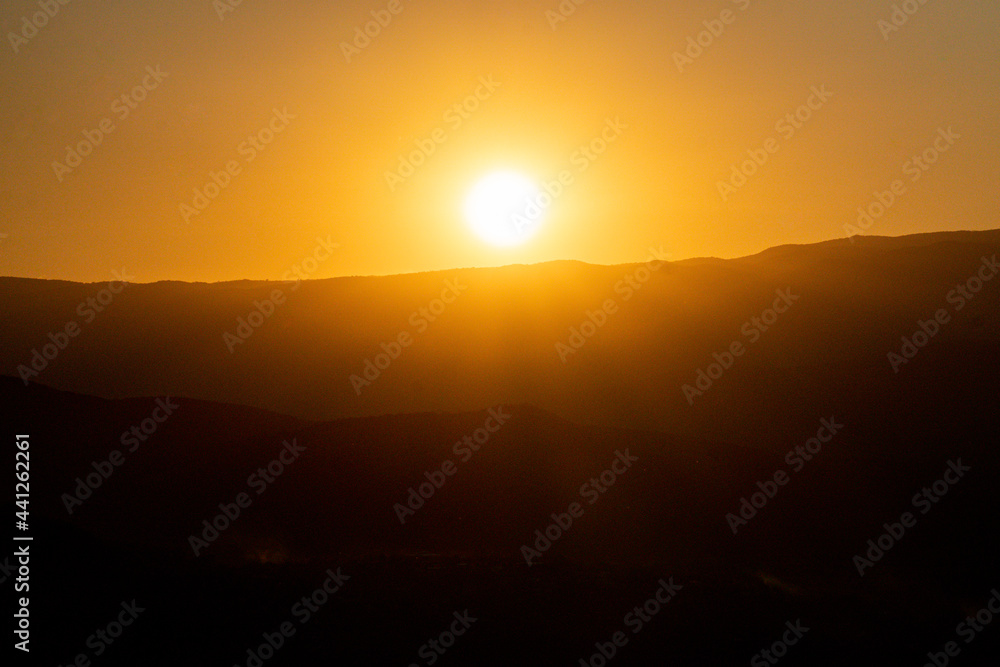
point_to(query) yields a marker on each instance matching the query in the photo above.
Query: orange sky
(278, 70)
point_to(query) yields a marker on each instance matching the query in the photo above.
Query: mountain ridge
(498, 340)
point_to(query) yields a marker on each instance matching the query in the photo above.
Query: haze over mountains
(507, 338)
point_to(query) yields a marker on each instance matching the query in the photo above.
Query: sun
(505, 208)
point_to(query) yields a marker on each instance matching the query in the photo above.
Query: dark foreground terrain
(330, 511)
(809, 479)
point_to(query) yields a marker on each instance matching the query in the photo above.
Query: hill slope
(498, 341)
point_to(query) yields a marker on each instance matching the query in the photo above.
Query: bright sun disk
(504, 208)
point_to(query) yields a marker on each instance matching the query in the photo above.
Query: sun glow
(505, 208)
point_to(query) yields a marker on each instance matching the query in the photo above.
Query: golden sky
(302, 130)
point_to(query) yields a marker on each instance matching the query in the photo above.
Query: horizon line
(848, 239)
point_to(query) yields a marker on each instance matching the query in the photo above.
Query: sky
(221, 141)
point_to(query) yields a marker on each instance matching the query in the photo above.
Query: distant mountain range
(507, 337)
(740, 425)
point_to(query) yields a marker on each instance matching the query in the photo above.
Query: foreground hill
(334, 503)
